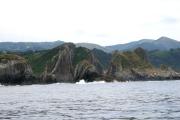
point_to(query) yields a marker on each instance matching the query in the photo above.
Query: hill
(163, 43)
(169, 58)
(135, 65)
(28, 46)
(68, 63)
(92, 46)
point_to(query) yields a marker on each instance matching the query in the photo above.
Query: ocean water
(154, 100)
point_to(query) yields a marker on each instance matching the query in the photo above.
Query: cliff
(72, 64)
(69, 64)
(134, 65)
(14, 70)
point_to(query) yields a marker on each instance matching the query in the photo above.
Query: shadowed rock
(72, 64)
(14, 70)
(134, 65)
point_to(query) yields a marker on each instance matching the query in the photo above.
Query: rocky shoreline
(70, 64)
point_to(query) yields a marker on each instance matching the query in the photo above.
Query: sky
(103, 22)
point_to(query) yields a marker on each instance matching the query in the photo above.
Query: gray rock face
(14, 71)
(72, 64)
(133, 66)
(86, 71)
(62, 70)
(148, 74)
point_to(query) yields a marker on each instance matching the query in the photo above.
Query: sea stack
(15, 70)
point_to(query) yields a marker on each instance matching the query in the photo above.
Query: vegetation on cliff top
(169, 58)
(80, 54)
(131, 59)
(138, 58)
(39, 59)
(87, 63)
(103, 57)
(11, 57)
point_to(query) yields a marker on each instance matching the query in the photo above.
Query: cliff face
(68, 64)
(72, 64)
(60, 68)
(14, 70)
(134, 65)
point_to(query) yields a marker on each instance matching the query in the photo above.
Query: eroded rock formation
(14, 70)
(134, 65)
(72, 64)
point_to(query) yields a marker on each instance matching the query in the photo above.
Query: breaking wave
(95, 82)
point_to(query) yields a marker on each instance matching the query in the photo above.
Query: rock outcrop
(72, 64)
(134, 65)
(69, 64)
(15, 70)
(85, 70)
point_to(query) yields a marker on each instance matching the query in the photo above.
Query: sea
(149, 100)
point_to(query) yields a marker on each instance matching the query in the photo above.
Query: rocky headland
(72, 64)
(134, 66)
(15, 70)
(69, 64)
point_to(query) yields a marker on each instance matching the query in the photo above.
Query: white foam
(81, 82)
(95, 82)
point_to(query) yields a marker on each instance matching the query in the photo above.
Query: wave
(95, 82)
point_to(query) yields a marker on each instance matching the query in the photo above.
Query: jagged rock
(14, 70)
(134, 65)
(85, 70)
(61, 69)
(72, 64)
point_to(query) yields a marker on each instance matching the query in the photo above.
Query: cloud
(102, 35)
(103, 22)
(170, 20)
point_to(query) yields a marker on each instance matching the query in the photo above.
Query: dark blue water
(116, 101)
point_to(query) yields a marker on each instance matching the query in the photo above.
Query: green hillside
(170, 58)
(39, 59)
(103, 57)
(80, 54)
(131, 59)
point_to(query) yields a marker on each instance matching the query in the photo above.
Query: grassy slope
(170, 58)
(103, 57)
(80, 54)
(38, 60)
(131, 59)
(10, 57)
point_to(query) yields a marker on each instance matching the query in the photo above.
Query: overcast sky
(104, 22)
